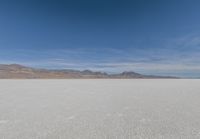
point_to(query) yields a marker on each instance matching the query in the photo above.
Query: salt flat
(100, 109)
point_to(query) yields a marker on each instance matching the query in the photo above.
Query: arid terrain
(100, 109)
(16, 71)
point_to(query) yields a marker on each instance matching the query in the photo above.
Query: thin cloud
(181, 55)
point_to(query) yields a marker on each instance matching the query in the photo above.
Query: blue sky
(147, 36)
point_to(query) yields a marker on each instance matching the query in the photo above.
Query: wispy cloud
(179, 55)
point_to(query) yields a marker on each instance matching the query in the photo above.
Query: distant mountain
(15, 71)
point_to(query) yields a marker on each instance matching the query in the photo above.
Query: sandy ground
(100, 109)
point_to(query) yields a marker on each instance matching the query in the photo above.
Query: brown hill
(15, 71)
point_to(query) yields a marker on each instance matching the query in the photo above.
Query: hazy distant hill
(15, 71)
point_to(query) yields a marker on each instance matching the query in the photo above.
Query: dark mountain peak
(129, 73)
(89, 72)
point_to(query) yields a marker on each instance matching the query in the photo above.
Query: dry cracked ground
(100, 109)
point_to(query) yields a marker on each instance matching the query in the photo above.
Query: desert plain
(100, 109)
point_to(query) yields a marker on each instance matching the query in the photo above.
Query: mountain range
(16, 71)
